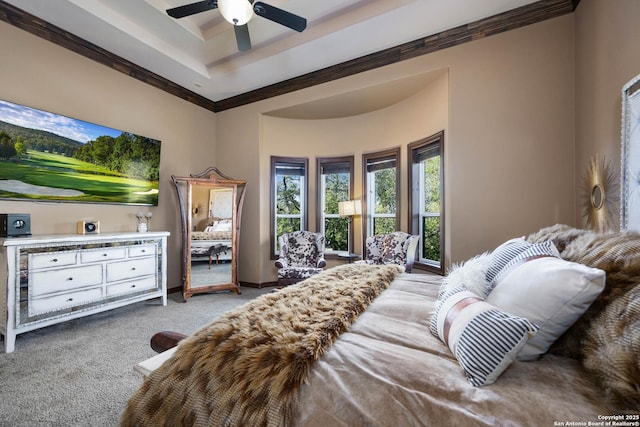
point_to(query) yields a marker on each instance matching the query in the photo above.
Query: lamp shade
(236, 12)
(350, 208)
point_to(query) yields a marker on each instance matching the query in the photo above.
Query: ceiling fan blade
(242, 37)
(192, 9)
(280, 16)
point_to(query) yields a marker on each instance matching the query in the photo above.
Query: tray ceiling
(199, 53)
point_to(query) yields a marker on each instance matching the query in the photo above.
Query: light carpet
(80, 373)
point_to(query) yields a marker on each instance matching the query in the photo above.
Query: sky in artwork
(68, 127)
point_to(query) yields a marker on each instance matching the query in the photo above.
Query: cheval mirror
(210, 209)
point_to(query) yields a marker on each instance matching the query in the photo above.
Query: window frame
(304, 220)
(433, 142)
(320, 215)
(392, 153)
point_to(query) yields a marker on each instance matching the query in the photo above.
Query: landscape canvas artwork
(49, 157)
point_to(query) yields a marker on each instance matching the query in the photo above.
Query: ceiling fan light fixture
(236, 12)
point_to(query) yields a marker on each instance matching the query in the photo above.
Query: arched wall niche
(380, 117)
(362, 100)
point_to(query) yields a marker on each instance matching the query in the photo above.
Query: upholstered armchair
(394, 248)
(301, 256)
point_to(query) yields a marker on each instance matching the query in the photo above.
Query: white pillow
(512, 253)
(550, 292)
(483, 339)
(222, 225)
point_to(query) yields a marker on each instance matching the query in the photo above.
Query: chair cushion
(302, 250)
(394, 248)
(374, 244)
(297, 272)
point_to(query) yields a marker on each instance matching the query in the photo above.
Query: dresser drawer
(52, 259)
(49, 281)
(52, 279)
(122, 270)
(142, 250)
(105, 254)
(58, 302)
(131, 286)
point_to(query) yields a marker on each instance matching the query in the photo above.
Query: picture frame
(630, 156)
(46, 156)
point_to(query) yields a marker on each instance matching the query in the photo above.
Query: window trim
(366, 158)
(414, 226)
(320, 162)
(305, 205)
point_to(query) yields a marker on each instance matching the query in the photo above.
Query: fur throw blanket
(607, 336)
(470, 274)
(247, 366)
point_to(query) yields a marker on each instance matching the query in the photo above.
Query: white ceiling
(200, 54)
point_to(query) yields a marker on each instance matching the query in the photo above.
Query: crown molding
(507, 21)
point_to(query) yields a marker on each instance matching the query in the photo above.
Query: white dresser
(51, 279)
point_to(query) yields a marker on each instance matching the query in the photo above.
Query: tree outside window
(335, 184)
(382, 191)
(426, 173)
(288, 197)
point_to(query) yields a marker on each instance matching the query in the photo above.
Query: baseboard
(246, 284)
(258, 285)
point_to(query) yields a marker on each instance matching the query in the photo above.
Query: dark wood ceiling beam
(516, 18)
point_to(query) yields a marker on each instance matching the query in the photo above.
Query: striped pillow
(512, 253)
(503, 254)
(483, 339)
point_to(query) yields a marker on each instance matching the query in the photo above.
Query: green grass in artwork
(97, 184)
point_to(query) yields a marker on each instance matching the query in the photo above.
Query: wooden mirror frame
(213, 178)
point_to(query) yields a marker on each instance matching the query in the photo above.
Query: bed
(213, 242)
(361, 345)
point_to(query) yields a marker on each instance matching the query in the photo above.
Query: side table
(350, 256)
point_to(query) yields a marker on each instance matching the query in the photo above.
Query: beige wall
(513, 162)
(39, 74)
(607, 56)
(508, 144)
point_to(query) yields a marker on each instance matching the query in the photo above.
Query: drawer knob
(144, 250)
(54, 260)
(133, 268)
(133, 286)
(70, 299)
(104, 254)
(69, 278)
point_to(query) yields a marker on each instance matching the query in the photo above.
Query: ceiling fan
(238, 13)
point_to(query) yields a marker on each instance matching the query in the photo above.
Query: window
(288, 197)
(381, 191)
(426, 200)
(334, 184)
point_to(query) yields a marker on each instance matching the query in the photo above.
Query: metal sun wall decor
(600, 195)
(630, 156)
